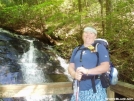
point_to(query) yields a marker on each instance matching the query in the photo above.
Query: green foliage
(58, 78)
(67, 46)
(14, 16)
(121, 39)
(63, 20)
(6, 3)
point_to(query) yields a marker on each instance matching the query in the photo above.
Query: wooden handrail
(23, 90)
(124, 89)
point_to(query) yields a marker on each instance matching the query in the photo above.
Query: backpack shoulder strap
(96, 51)
(96, 47)
(77, 49)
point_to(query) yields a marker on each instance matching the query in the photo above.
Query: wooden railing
(122, 88)
(23, 90)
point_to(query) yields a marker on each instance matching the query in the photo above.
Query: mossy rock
(58, 77)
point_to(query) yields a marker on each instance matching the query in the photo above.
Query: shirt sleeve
(103, 54)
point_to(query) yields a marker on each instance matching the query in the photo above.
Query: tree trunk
(102, 16)
(108, 16)
(80, 10)
(79, 5)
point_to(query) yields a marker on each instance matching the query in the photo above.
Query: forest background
(59, 23)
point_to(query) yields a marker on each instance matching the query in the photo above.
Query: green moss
(58, 77)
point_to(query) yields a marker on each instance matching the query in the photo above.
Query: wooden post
(110, 94)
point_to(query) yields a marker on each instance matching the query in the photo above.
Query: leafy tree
(59, 22)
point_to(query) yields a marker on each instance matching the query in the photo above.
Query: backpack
(108, 78)
(112, 74)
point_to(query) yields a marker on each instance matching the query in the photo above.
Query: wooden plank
(124, 89)
(23, 90)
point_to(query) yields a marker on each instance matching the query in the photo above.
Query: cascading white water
(33, 75)
(64, 64)
(29, 66)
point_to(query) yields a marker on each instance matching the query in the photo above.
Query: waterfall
(64, 65)
(29, 67)
(33, 75)
(25, 60)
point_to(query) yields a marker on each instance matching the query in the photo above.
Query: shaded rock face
(12, 50)
(9, 53)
